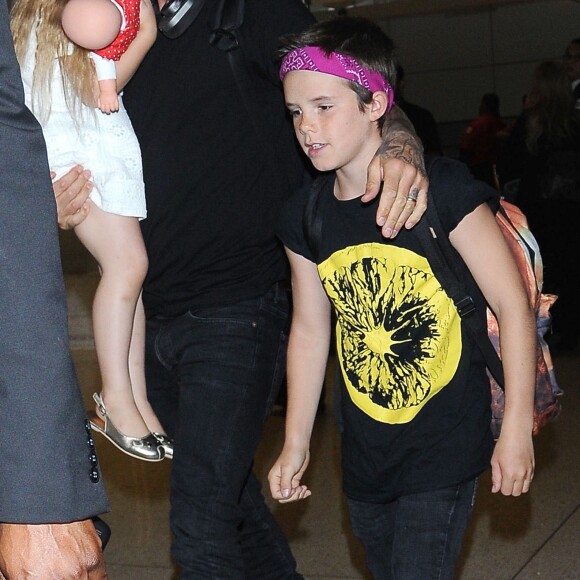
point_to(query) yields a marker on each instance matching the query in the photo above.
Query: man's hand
(72, 192)
(51, 551)
(400, 168)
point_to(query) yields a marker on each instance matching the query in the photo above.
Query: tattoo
(401, 141)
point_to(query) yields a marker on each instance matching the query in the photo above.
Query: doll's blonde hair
(76, 67)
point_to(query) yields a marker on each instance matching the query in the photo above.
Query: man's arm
(44, 451)
(400, 169)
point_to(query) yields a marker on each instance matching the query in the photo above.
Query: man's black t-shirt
(415, 394)
(213, 187)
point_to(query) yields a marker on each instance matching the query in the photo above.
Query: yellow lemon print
(398, 333)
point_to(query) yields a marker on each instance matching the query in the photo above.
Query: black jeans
(417, 536)
(212, 376)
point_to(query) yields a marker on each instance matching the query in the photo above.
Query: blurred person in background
(543, 152)
(478, 144)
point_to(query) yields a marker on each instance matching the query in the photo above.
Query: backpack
(449, 269)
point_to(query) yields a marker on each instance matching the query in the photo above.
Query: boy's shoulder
(454, 190)
(447, 172)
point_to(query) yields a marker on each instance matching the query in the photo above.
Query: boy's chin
(322, 166)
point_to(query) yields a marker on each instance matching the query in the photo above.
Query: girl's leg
(117, 245)
(137, 371)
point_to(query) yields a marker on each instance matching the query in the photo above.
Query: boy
(415, 402)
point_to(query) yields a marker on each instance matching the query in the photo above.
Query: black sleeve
(44, 446)
(290, 228)
(455, 191)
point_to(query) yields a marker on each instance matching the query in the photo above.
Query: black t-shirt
(415, 394)
(213, 187)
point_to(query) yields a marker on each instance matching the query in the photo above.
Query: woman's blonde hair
(76, 67)
(550, 106)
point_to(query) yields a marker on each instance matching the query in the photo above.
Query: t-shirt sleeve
(290, 228)
(456, 192)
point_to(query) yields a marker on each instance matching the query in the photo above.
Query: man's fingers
(374, 180)
(394, 206)
(72, 221)
(72, 191)
(419, 208)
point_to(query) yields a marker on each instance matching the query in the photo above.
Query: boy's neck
(351, 180)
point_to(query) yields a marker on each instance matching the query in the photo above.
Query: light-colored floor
(534, 536)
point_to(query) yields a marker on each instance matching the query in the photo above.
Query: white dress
(104, 144)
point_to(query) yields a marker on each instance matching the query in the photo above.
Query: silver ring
(413, 195)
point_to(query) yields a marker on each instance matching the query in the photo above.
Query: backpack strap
(228, 18)
(311, 218)
(445, 262)
(225, 36)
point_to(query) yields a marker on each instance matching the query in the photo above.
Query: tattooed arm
(400, 169)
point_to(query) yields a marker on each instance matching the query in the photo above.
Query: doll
(106, 28)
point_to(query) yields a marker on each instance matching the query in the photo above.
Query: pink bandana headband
(315, 59)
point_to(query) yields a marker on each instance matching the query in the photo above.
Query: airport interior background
(453, 52)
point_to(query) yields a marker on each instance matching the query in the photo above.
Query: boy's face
(329, 125)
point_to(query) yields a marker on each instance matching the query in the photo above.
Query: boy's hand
(285, 476)
(512, 464)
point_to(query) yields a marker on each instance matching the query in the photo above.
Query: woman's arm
(400, 168)
(481, 244)
(306, 367)
(128, 63)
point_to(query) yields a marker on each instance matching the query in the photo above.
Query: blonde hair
(550, 106)
(76, 67)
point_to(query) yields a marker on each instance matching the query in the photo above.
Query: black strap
(225, 36)
(229, 17)
(445, 262)
(311, 218)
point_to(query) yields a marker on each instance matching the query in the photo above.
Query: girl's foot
(147, 447)
(154, 425)
(167, 444)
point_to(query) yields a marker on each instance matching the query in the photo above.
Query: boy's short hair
(358, 38)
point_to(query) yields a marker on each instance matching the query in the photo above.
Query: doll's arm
(106, 72)
(131, 59)
(108, 99)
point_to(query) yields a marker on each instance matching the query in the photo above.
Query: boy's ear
(378, 105)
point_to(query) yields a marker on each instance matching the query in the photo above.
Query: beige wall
(451, 59)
